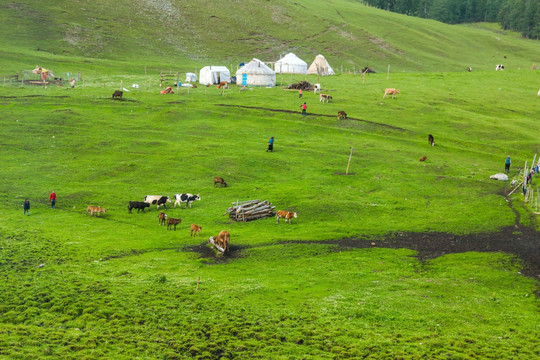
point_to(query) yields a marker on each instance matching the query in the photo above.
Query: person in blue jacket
(270, 144)
(507, 164)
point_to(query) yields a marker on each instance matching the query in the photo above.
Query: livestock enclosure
(405, 259)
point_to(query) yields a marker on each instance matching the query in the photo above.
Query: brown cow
(325, 97)
(223, 84)
(423, 158)
(219, 180)
(117, 94)
(391, 91)
(223, 240)
(341, 115)
(195, 229)
(95, 210)
(162, 218)
(167, 90)
(171, 222)
(286, 215)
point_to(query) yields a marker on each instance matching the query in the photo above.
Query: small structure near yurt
(250, 210)
(214, 75)
(191, 77)
(256, 74)
(290, 64)
(320, 66)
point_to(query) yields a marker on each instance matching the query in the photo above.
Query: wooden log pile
(304, 85)
(250, 210)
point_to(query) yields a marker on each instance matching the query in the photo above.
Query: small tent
(320, 66)
(257, 74)
(191, 77)
(214, 75)
(291, 64)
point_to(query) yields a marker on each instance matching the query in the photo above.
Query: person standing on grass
(507, 164)
(270, 145)
(300, 93)
(304, 108)
(26, 206)
(52, 199)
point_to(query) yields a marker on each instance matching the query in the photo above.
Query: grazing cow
(325, 97)
(431, 140)
(223, 240)
(158, 200)
(117, 95)
(219, 180)
(171, 222)
(423, 158)
(499, 67)
(223, 84)
(286, 215)
(95, 210)
(72, 83)
(341, 115)
(391, 91)
(195, 229)
(162, 218)
(139, 205)
(317, 88)
(469, 69)
(185, 198)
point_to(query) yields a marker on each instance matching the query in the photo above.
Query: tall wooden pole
(388, 73)
(349, 163)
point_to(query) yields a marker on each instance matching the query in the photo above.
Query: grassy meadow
(121, 286)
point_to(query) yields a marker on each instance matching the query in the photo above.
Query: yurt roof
(291, 58)
(255, 66)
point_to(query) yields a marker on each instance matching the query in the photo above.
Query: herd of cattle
(222, 239)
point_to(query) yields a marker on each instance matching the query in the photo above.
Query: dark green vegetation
(518, 15)
(121, 287)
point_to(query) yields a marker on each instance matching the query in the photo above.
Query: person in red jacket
(52, 199)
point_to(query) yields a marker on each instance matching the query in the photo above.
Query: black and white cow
(158, 200)
(185, 198)
(499, 67)
(139, 205)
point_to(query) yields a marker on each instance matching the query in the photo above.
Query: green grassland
(122, 287)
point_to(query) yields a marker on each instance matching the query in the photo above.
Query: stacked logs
(250, 210)
(304, 85)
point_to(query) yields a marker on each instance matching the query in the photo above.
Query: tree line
(519, 15)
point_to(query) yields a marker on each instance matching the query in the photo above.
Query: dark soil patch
(323, 115)
(207, 251)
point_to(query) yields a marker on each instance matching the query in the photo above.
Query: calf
(219, 180)
(139, 205)
(341, 115)
(499, 67)
(157, 200)
(171, 222)
(423, 158)
(185, 198)
(195, 229)
(162, 218)
(223, 84)
(325, 97)
(117, 94)
(286, 215)
(431, 140)
(95, 210)
(222, 240)
(391, 91)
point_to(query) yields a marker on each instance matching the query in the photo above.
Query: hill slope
(184, 33)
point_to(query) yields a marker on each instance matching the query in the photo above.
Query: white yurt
(257, 74)
(320, 66)
(191, 77)
(291, 64)
(214, 75)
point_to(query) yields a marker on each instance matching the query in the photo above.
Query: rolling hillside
(184, 34)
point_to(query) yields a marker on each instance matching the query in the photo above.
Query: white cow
(185, 198)
(499, 67)
(157, 199)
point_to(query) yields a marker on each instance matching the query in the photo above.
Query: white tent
(214, 75)
(291, 64)
(191, 77)
(320, 66)
(257, 73)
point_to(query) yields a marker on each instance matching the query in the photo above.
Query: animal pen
(249, 210)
